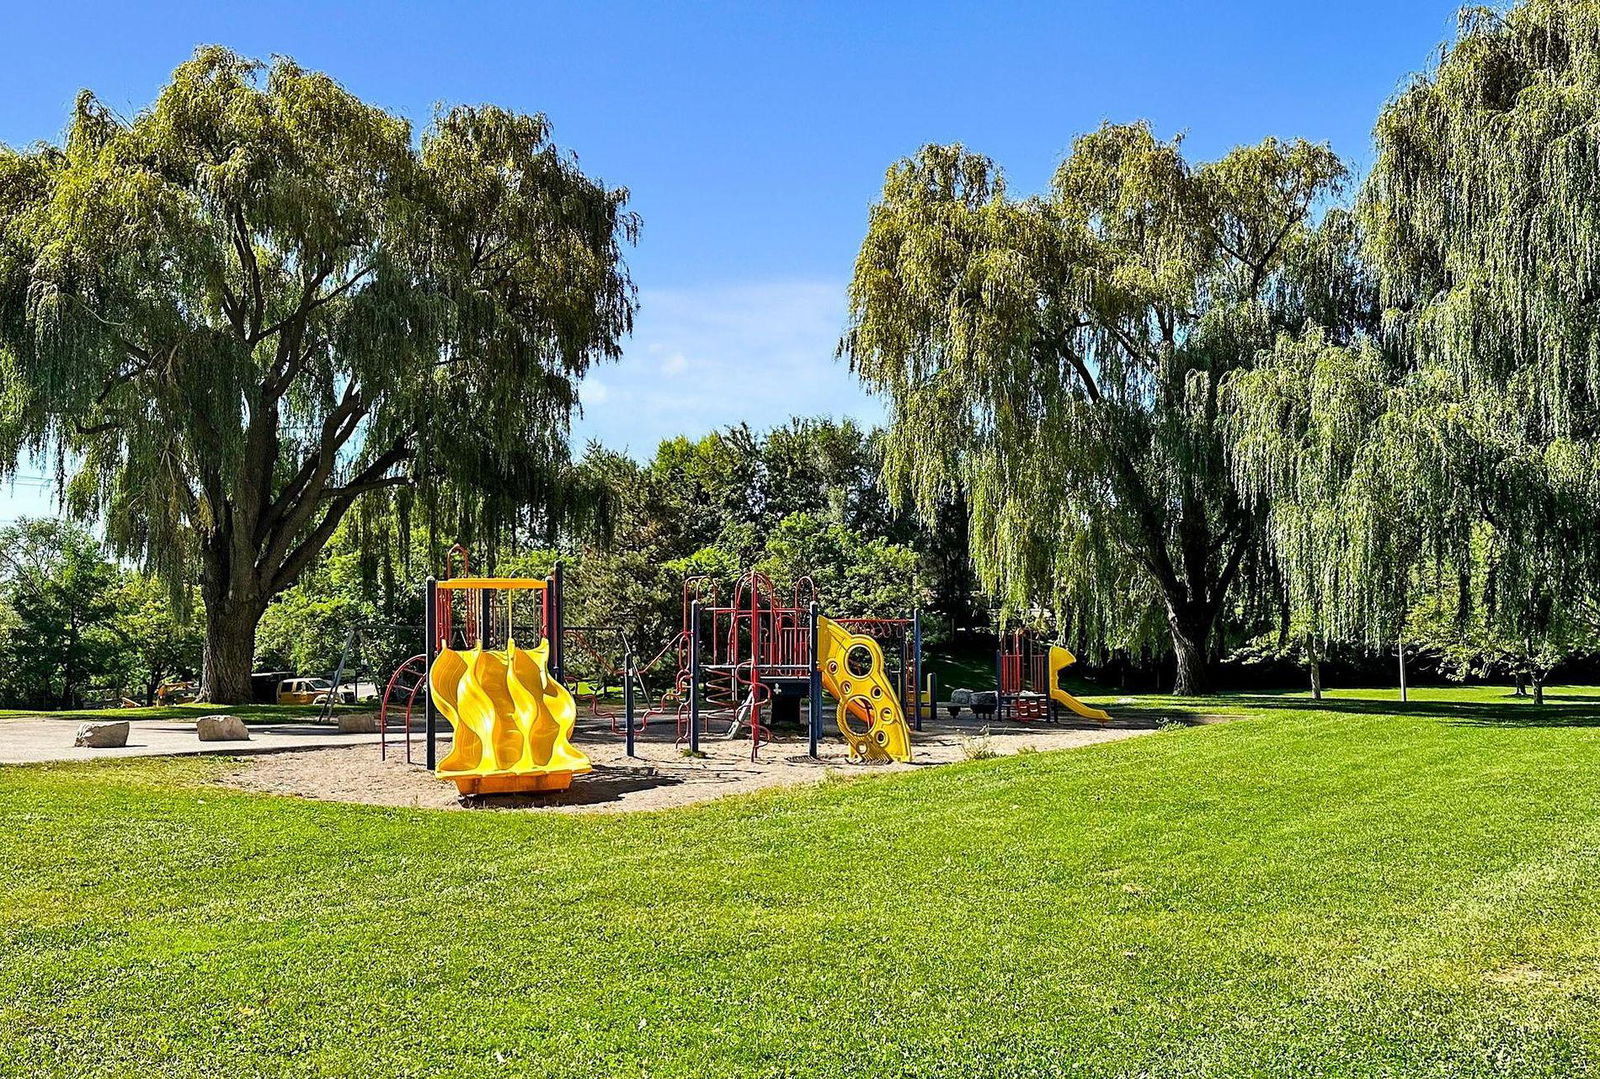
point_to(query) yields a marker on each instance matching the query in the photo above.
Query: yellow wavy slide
(864, 691)
(513, 723)
(1061, 659)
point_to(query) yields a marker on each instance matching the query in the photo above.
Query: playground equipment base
(530, 783)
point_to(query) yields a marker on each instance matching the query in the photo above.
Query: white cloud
(703, 358)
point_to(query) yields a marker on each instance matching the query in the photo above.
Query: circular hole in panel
(859, 660)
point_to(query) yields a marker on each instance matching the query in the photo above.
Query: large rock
(358, 723)
(221, 729)
(102, 735)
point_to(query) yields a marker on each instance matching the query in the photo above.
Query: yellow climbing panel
(853, 672)
(513, 723)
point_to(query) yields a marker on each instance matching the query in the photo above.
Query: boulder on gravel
(221, 729)
(358, 723)
(102, 735)
(984, 702)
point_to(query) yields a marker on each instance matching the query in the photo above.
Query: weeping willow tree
(1056, 361)
(1479, 432)
(1354, 491)
(235, 315)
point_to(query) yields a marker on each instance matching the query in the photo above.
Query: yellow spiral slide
(513, 723)
(853, 671)
(1060, 660)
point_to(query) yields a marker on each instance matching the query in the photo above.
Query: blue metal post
(999, 680)
(814, 693)
(694, 677)
(916, 669)
(430, 647)
(558, 651)
(627, 694)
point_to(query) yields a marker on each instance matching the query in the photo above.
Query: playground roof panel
(493, 582)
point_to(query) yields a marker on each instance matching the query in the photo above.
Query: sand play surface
(659, 776)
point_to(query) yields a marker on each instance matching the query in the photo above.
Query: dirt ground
(659, 776)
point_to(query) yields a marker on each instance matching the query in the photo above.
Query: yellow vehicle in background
(309, 691)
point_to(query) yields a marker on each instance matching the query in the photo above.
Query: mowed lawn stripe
(1304, 892)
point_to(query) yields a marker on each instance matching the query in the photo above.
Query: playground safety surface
(660, 776)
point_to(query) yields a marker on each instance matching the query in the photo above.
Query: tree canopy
(1056, 361)
(1459, 443)
(75, 627)
(238, 312)
(1490, 270)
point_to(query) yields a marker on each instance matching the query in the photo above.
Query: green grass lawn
(250, 713)
(1494, 704)
(963, 670)
(1341, 891)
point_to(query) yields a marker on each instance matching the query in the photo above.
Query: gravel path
(31, 739)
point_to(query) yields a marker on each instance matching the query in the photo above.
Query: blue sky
(754, 136)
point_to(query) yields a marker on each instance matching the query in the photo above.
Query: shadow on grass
(1153, 713)
(1559, 710)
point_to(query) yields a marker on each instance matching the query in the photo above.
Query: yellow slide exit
(1060, 659)
(513, 723)
(867, 695)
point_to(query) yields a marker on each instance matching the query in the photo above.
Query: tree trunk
(1402, 652)
(1316, 678)
(234, 604)
(1538, 687)
(1191, 635)
(230, 654)
(69, 670)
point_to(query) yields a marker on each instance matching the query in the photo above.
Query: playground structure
(750, 663)
(1028, 676)
(511, 716)
(752, 660)
(853, 670)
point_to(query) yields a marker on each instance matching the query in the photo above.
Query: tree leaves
(1466, 451)
(257, 300)
(1058, 359)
